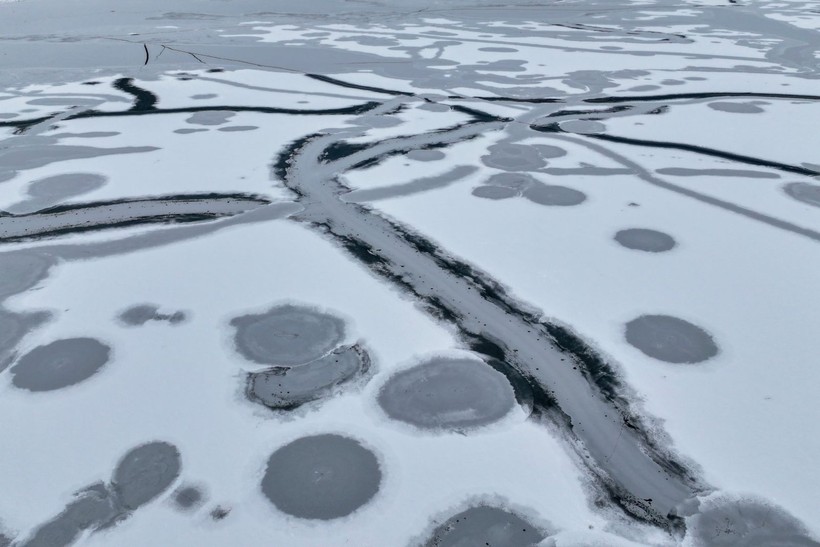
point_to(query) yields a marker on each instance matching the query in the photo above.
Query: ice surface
(447, 394)
(484, 525)
(287, 335)
(670, 339)
(606, 211)
(322, 477)
(60, 364)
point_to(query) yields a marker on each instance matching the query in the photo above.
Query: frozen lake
(403, 272)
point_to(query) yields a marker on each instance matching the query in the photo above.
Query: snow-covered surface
(579, 120)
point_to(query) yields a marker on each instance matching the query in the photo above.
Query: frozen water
(513, 157)
(60, 364)
(494, 192)
(644, 239)
(486, 525)
(321, 477)
(747, 523)
(145, 472)
(447, 394)
(287, 388)
(554, 195)
(670, 339)
(804, 192)
(287, 335)
(140, 314)
(189, 497)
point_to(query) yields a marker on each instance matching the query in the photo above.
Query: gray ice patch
(287, 335)
(644, 239)
(744, 173)
(13, 326)
(494, 192)
(189, 130)
(426, 155)
(321, 477)
(484, 525)
(447, 394)
(498, 49)
(513, 157)
(670, 339)
(210, 117)
(145, 472)
(409, 188)
(65, 101)
(803, 192)
(60, 364)
(517, 181)
(91, 509)
(140, 314)
(583, 127)
(53, 190)
(201, 96)
(735, 108)
(283, 388)
(30, 156)
(105, 215)
(547, 151)
(434, 107)
(21, 270)
(188, 497)
(554, 195)
(377, 121)
(747, 523)
(641, 88)
(235, 128)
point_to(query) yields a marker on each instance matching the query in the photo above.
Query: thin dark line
(710, 95)
(709, 152)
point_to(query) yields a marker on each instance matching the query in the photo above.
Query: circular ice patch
(747, 523)
(494, 192)
(188, 497)
(803, 191)
(287, 335)
(513, 157)
(517, 181)
(447, 394)
(670, 339)
(483, 525)
(145, 472)
(287, 388)
(554, 195)
(644, 239)
(321, 477)
(60, 364)
(547, 151)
